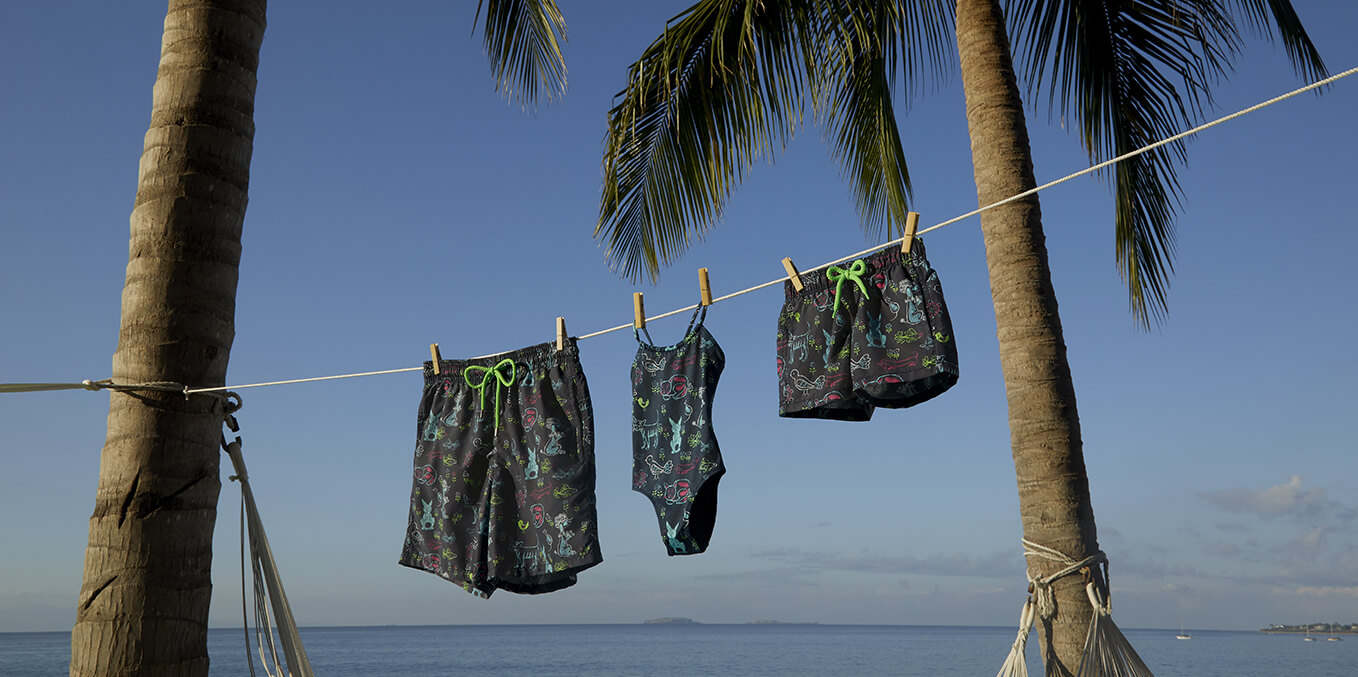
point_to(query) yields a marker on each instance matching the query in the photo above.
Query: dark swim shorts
(503, 495)
(873, 333)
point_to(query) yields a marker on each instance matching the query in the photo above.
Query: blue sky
(396, 200)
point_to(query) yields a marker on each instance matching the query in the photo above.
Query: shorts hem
(855, 412)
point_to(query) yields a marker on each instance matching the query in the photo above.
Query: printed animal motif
(912, 304)
(650, 434)
(427, 519)
(798, 342)
(802, 383)
(530, 558)
(876, 339)
(432, 431)
(674, 388)
(651, 365)
(656, 469)
(688, 408)
(676, 437)
(563, 548)
(553, 446)
(671, 535)
(678, 492)
(530, 471)
(829, 346)
(424, 474)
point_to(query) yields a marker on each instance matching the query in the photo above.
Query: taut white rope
(29, 387)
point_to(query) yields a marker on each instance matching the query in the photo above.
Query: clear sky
(396, 200)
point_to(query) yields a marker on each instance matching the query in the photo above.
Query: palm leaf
(725, 86)
(523, 40)
(1112, 65)
(720, 89)
(860, 48)
(1304, 55)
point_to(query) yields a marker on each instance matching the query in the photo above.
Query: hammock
(268, 585)
(1107, 653)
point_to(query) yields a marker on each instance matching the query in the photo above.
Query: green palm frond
(523, 40)
(1304, 55)
(1113, 65)
(856, 75)
(720, 89)
(725, 85)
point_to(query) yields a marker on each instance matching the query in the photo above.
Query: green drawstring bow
(500, 381)
(839, 275)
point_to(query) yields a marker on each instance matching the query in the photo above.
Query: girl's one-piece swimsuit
(675, 459)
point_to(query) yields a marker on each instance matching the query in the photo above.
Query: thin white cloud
(1273, 501)
(1289, 499)
(1328, 591)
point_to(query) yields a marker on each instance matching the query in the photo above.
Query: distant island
(1316, 628)
(681, 620)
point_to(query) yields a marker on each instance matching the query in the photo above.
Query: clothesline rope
(21, 387)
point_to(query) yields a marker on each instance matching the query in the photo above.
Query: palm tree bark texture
(1054, 503)
(143, 604)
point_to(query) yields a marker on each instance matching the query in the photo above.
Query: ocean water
(618, 650)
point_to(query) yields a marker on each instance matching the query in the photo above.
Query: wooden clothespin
(911, 224)
(792, 273)
(434, 355)
(638, 311)
(704, 287)
(560, 333)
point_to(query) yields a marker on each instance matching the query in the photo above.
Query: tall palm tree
(728, 80)
(143, 605)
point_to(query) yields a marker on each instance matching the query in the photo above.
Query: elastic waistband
(541, 355)
(814, 283)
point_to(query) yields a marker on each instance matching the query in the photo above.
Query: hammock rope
(272, 611)
(1107, 653)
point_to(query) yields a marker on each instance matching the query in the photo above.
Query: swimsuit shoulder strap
(637, 335)
(696, 321)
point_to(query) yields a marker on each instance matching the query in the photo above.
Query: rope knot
(1042, 585)
(839, 275)
(501, 381)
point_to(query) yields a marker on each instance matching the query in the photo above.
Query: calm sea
(617, 650)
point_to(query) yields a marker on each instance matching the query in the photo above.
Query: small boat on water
(1308, 637)
(1182, 634)
(1334, 639)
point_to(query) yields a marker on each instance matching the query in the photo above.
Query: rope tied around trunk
(1041, 586)
(1107, 653)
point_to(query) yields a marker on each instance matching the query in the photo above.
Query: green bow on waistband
(839, 275)
(500, 381)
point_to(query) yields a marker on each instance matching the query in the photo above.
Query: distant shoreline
(682, 620)
(1277, 631)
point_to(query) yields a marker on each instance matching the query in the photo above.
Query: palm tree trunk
(1054, 503)
(143, 605)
